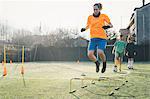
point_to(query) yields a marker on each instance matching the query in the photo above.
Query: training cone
(22, 70)
(5, 71)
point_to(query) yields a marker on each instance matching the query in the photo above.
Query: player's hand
(83, 29)
(106, 27)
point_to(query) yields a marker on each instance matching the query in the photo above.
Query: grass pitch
(51, 80)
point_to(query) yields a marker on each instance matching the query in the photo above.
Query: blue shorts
(97, 42)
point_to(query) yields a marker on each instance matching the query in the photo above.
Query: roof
(142, 6)
(132, 19)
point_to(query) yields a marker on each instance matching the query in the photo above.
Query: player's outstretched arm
(108, 26)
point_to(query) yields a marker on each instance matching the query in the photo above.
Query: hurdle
(87, 78)
(122, 76)
(109, 79)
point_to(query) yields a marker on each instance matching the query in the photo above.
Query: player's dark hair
(99, 5)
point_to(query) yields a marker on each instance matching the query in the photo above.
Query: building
(139, 26)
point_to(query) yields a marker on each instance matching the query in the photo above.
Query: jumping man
(97, 23)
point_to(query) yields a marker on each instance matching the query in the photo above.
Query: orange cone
(22, 70)
(5, 71)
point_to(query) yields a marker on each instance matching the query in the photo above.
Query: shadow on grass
(75, 96)
(122, 72)
(115, 96)
(127, 95)
(123, 96)
(105, 85)
(95, 93)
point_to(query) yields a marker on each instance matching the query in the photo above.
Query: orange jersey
(95, 24)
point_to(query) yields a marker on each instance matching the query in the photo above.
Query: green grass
(51, 80)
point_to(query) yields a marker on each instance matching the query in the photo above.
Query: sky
(64, 13)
